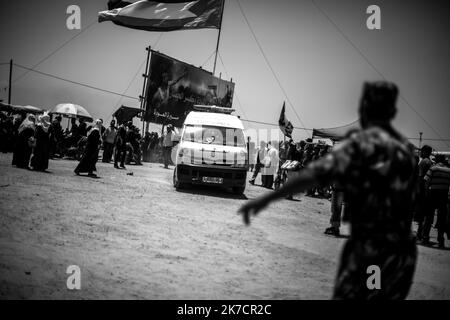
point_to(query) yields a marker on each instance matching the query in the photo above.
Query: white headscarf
(97, 125)
(29, 122)
(44, 121)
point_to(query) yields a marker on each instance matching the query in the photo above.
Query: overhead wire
(74, 82)
(55, 50)
(209, 58)
(366, 59)
(228, 76)
(138, 71)
(269, 64)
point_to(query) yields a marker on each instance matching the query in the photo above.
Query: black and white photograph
(224, 155)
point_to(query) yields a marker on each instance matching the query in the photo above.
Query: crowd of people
(277, 165)
(279, 161)
(29, 138)
(433, 195)
(34, 139)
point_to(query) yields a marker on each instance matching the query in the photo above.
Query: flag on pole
(164, 15)
(285, 125)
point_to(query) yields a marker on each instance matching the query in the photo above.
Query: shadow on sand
(212, 191)
(433, 245)
(87, 176)
(341, 236)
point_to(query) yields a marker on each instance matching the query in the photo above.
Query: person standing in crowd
(271, 164)
(102, 129)
(90, 155)
(82, 128)
(251, 156)
(425, 164)
(133, 145)
(4, 132)
(24, 143)
(154, 143)
(74, 134)
(73, 130)
(120, 146)
(292, 150)
(308, 155)
(316, 152)
(108, 141)
(325, 191)
(294, 154)
(300, 153)
(136, 143)
(17, 121)
(260, 153)
(146, 146)
(314, 157)
(129, 142)
(41, 151)
(283, 151)
(307, 158)
(337, 205)
(376, 167)
(9, 125)
(56, 136)
(167, 145)
(437, 182)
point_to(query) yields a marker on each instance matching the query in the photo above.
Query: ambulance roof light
(214, 109)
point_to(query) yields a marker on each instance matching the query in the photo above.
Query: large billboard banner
(174, 87)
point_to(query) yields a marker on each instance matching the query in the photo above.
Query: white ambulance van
(212, 150)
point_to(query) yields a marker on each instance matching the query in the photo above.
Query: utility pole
(10, 78)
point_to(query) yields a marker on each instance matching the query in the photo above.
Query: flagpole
(218, 37)
(143, 95)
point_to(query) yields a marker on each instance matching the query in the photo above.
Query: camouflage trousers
(396, 263)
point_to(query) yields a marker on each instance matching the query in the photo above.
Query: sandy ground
(135, 237)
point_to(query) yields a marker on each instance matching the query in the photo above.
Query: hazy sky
(321, 72)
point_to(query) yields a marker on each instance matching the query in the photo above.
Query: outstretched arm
(303, 181)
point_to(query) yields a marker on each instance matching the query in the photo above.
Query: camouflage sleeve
(429, 175)
(335, 166)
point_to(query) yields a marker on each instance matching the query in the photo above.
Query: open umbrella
(71, 110)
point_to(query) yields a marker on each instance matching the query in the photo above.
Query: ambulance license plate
(214, 180)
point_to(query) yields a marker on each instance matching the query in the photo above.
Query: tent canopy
(337, 133)
(124, 113)
(13, 108)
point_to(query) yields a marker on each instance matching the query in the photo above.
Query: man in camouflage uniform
(377, 170)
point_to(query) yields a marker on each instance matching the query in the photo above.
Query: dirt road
(135, 237)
